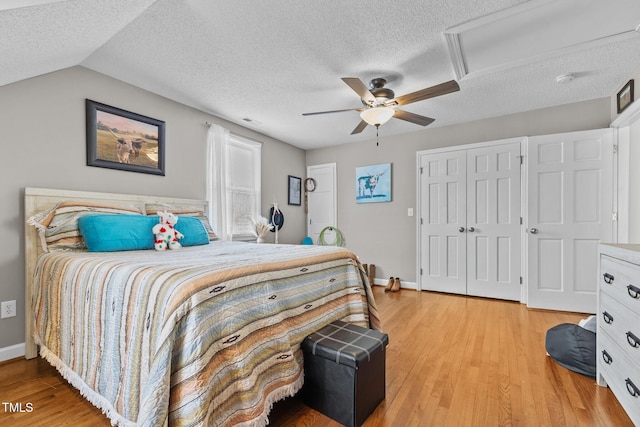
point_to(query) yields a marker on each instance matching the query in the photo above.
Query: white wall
(634, 183)
(42, 136)
(382, 233)
(632, 162)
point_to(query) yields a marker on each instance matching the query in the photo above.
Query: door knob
(461, 229)
(471, 229)
(533, 230)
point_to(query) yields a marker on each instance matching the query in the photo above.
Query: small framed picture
(295, 186)
(120, 139)
(625, 96)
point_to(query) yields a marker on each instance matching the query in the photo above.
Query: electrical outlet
(8, 309)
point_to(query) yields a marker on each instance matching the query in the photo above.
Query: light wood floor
(451, 361)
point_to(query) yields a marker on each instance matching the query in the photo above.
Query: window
(243, 183)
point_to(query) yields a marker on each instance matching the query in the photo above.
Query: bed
(203, 335)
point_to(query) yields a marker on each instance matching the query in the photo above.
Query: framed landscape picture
(120, 139)
(373, 183)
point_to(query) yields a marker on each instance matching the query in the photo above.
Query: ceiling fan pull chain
(377, 128)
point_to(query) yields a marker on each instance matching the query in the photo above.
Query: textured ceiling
(273, 61)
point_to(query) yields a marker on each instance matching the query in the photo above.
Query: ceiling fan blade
(360, 127)
(413, 118)
(360, 88)
(421, 95)
(332, 111)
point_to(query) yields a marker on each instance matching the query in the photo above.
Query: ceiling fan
(380, 102)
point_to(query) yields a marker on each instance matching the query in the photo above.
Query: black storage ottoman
(344, 371)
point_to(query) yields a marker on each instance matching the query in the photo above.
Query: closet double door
(470, 221)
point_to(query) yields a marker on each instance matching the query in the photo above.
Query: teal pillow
(193, 230)
(111, 233)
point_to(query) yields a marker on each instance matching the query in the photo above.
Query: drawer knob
(608, 278)
(607, 317)
(607, 357)
(633, 340)
(631, 388)
(633, 291)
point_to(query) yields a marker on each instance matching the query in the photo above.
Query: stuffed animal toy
(167, 237)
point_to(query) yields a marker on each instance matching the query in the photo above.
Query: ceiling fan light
(377, 115)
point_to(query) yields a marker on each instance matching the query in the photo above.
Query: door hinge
(615, 148)
(421, 170)
(521, 280)
(614, 216)
(521, 157)
(421, 271)
(520, 220)
(421, 221)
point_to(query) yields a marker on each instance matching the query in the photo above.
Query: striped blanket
(201, 336)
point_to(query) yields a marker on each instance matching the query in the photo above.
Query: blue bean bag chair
(573, 347)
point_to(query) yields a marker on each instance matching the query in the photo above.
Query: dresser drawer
(621, 280)
(621, 375)
(622, 325)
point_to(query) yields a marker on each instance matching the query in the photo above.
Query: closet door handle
(471, 229)
(461, 229)
(608, 278)
(633, 340)
(533, 230)
(608, 319)
(607, 357)
(631, 388)
(633, 291)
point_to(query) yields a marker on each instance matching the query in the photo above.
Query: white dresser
(618, 337)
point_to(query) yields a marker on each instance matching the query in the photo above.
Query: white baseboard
(11, 352)
(403, 284)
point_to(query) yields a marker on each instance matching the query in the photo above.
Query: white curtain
(217, 139)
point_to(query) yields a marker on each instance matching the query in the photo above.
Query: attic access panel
(537, 30)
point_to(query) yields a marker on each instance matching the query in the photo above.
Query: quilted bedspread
(201, 336)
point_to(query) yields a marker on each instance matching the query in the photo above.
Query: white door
(443, 240)
(570, 205)
(493, 222)
(322, 202)
(470, 221)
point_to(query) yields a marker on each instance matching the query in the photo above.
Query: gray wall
(614, 99)
(42, 136)
(382, 233)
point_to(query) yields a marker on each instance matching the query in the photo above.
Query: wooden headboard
(39, 199)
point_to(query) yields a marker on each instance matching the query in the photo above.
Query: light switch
(410, 212)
